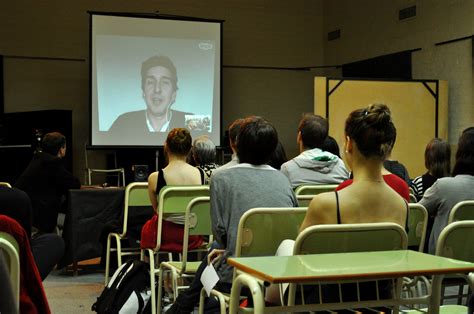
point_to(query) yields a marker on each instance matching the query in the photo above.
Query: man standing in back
(313, 165)
(46, 181)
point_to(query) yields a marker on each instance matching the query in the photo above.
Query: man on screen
(159, 86)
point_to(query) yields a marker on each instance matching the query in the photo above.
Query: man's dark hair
(256, 141)
(465, 153)
(52, 143)
(314, 130)
(162, 61)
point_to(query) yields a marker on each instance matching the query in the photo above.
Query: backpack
(128, 291)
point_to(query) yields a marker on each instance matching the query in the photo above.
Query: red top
(396, 183)
(32, 296)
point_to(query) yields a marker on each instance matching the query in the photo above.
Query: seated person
(278, 157)
(393, 180)
(47, 248)
(313, 165)
(446, 192)
(261, 186)
(177, 172)
(438, 164)
(234, 129)
(204, 156)
(46, 181)
(32, 296)
(369, 135)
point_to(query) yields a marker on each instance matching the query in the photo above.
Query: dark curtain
(2, 108)
(392, 66)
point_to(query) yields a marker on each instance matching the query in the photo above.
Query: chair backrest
(413, 198)
(304, 200)
(197, 221)
(5, 184)
(314, 189)
(136, 194)
(9, 246)
(453, 242)
(417, 224)
(174, 199)
(462, 211)
(261, 230)
(351, 238)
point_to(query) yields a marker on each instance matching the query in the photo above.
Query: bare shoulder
(152, 180)
(320, 210)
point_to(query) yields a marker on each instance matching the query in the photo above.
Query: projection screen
(152, 74)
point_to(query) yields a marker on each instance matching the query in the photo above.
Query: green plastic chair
(197, 222)
(417, 224)
(314, 189)
(9, 246)
(136, 194)
(304, 200)
(172, 203)
(462, 211)
(343, 238)
(260, 232)
(452, 243)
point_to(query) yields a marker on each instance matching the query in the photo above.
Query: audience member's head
(256, 141)
(330, 145)
(278, 157)
(234, 129)
(372, 130)
(312, 131)
(204, 150)
(54, 143)
(465, 153)
(178, 142)
(438, 157)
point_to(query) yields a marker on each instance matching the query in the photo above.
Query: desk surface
(341, 266)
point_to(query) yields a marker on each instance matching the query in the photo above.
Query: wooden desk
(340, 267)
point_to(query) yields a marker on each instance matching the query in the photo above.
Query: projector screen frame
(161, 16)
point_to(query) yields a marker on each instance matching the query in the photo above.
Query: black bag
(128, 291)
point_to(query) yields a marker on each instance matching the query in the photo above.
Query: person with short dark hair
(251, 183)
(204, 156)
(234, 129)
(159, 85)
(314, 165)
(446, 192)
(437, 162)
(47, 248)
(278, 157)
(46, 181)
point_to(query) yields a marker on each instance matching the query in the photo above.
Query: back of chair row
(9, 249)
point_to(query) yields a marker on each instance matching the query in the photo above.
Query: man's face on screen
(158, 90)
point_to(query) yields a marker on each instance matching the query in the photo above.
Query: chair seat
(191, 267)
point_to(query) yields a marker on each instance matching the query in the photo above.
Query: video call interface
(149, 75)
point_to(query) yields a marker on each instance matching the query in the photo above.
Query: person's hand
(214, 256)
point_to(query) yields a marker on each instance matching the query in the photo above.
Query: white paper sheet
(209, 278)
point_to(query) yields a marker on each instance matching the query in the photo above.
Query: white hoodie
(314, 166)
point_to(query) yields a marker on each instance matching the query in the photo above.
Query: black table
(88, 211)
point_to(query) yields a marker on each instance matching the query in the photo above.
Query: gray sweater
(236, 190)
(314, 166)
(440, 198)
